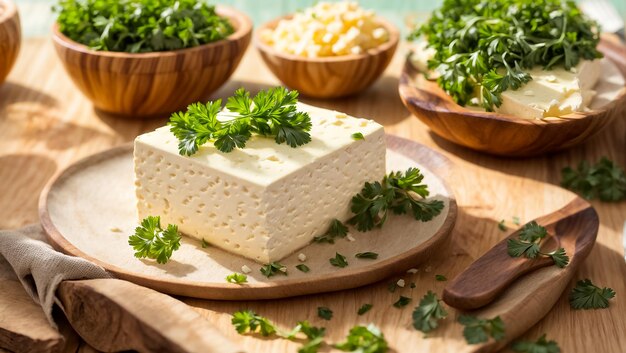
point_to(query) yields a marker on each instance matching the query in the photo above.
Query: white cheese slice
(264, 201)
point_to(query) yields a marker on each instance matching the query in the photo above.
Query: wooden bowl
(328, 77)
(10, 37)
(502, 134)
(158, 83)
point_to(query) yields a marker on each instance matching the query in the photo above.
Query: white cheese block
(264, 201)
(553, 93)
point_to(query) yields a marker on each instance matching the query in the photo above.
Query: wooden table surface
(46, 124)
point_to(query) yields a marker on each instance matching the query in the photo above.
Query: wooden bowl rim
(9, 10)
(243, 29)
(409, 72)
(391, 44)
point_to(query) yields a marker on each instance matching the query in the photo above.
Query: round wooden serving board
(88, 210)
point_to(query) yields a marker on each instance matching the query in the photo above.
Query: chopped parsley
(324, 313)
(587, 295)
(237, 278)
(357, 136)
(363, 339)
(248, 321)
(153, 242)
(364, 308)
(304, 268)
(542, 345)
(528, 245)
(426, 316)
(335, 230)
(441, 278)
(273, 268)
(338, 261)
(604, 180)
(479, 330)
(366, 255)
(402, 302)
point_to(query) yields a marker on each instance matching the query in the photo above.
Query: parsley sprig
(248, 321)
(271, 113)
(399, 192)
(604, 180)
(479, 330)
(364, 340)
(153, 242)
(528, 245)
(426, 316)
(273, 268)
(487, 45)
(542, 345)
(335, 230)
(139, 26)
(587, 295)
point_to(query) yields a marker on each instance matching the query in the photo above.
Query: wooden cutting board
(45, 124)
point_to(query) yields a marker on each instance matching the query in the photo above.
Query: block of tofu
(264, 201)
(553, 93)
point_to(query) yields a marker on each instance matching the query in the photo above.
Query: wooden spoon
(574, 228)
(113, 315)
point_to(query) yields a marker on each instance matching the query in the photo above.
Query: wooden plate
(88, 210)
(502, 134)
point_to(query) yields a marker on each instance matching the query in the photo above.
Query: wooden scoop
(574, 227)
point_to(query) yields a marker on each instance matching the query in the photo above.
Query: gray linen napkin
(40, 268)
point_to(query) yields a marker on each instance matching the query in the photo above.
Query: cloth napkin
(40, 268)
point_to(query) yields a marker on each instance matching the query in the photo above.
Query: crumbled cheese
(301, 257)
(283, 269)
(327, 29)
(412, 271)
(400, 283)
(350, 237)
(246, 269)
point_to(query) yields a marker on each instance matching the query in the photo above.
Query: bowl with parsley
(142, 58)
(514, 77)
(10, 37)
(329, 50)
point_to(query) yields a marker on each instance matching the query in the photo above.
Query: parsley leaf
(237, 278)
(479, 330)
(314, 335)
(153, 242)
(270, 113)
(363, 339)
(366, 255)
(248, 321)
(204, 244)
(402, 302)
(140, 26)
(604, 180)
(338, 261)
(586, 295)
(335, 230)
(324, 312)
(542, 345)
(440, 278)
(502, 226)
(273, 268)
(364, 308)
(426, 316)
(528, 245)
(357, 136)
(399, 192)
(485, 46)
(304, 268)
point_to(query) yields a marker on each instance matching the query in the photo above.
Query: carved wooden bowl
(10, 37)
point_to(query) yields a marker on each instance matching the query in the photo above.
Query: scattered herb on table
(412, 285)
(402, 302)
(248, 321)
(304, 268)
(399, 192)
(364, 308)
(542, 345)
(140, 26)
(364, 340)
(586, 295)
(392, 286)
(357, 136)
(335, 230)
(270, 113)
(604, 180)
(516, 220)
(479, 330)
(324, 312)
(426, 316)
(314, 335)
(204, 244)
(366, 255)
(153, 242)
(237, 278)
(487, 45)
(528, 245)
(502, 226)
(441, 278)
(338, 261)
(273, 268)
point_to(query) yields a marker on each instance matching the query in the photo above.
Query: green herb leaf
(363, 339)
(335, 230)
(441, 278)
(304, 268)
(273, 268)
(528, 245)
(357, 136)
(479, 330)
(559, 257)
(516, 220)
(532, 232)
(542, 345)
(238, 278)
(502, 226)
(392, 286)
(270, 113)
(366, 255)
(400, 193)
(248, 321)
(402, 302)
(364, 308)
(586, 295)
(426, 316)
(141, 26)
(314, 335)
(204, 244)
(324, 312)
(338, 261)
(153, 242)
(604, 180)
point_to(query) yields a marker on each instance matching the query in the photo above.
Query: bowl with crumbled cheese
(329, 50)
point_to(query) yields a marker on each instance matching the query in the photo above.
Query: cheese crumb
(246, 269)
(283, 269)
(301, 257)
(428, 269)
(412, 271)
(400, 283)
(529, 93)
(551, 78)
(350, 237)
